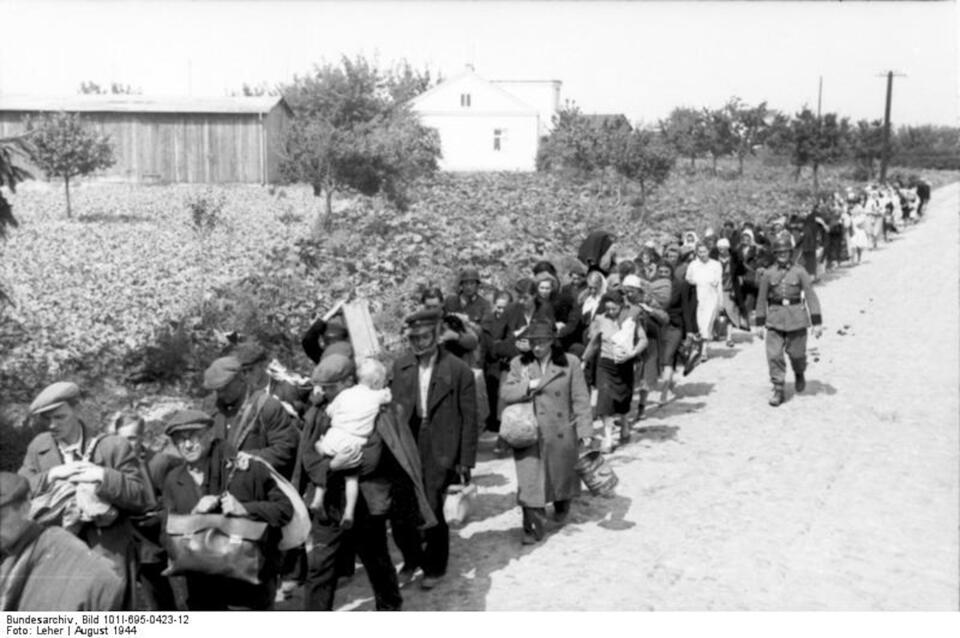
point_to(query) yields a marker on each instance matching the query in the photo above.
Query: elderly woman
(554, 382)
(213, 480)
(619, 340)
(706, 275)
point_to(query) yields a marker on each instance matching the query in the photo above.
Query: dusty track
(844, 498)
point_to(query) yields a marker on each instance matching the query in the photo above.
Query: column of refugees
(372, 451)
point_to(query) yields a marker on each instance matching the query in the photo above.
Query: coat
(377, 477)
(50, 569)
(778, 284)
(123, 487)
(270, 432)
(447, 435)
(545, 471)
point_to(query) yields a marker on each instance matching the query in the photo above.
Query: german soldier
(784, 297)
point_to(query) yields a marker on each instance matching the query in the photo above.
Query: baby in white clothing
(353, 414)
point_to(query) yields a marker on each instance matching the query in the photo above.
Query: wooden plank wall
(175, 147)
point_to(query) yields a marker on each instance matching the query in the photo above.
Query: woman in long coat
(553, 380)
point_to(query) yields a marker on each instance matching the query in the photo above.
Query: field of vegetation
(132, 294)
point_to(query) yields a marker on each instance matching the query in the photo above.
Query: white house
(488, 125)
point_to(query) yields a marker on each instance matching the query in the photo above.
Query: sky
(637, 58)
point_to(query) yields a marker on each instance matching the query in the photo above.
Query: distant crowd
(280, 481)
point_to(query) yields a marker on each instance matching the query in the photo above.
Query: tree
(64, 147)
(814, 142)
(747, 126)
(642, 157)
(12, 151)
(718, 139)
(353, 130)
(685, 130)
(573, 146)
(92, 88)
(866, 145)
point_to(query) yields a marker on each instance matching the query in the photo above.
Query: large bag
(518, 425)
(215, 545)
(458, 503)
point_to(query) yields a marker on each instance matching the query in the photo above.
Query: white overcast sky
(638, 58)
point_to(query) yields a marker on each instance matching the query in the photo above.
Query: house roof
(469, 72)
(141, 104)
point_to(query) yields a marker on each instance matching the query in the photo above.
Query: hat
(782, 244)
(188, 419)
(578, 267)
(631, 281)
(333, 368)
(13, 488)
(249, 352)
(423, 321)
(779, 220)
(221, 372)
(469, 274)
(723, 242)
(540, 330)
(710, 232)
(650, 244)
(53, 396)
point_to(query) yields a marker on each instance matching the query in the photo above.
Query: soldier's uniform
(786, 306)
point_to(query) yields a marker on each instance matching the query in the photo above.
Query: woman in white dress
(706, 275)
(860, 221)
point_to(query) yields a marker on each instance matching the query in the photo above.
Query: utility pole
(885, 161)
(816, 181)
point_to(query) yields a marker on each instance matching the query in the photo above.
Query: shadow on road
(657, 433)
(689, 390)
(818, 387)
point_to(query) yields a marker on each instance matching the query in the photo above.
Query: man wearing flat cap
(248, 417)
(437, 401)
(48, 568)
(73, 452)
(215, 479)
(388, 460)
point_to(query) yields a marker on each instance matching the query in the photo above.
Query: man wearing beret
(214, 478)
(248, 417)
(48, 569)
(437, 400)
(388, 459)
(71, 451)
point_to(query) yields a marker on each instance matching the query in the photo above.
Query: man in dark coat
(389, 459)
(48, 569)
(437, 401)
(249, 418)
(71, 451)
(215, 479)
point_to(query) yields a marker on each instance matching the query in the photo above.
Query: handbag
(215, 545)
(459, 501)
(518, 425)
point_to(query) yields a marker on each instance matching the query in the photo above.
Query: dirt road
(844, 498)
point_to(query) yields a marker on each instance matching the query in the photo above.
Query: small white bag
(458, 503)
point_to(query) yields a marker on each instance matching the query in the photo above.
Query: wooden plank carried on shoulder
(363, 335)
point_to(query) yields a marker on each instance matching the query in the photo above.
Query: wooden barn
(164, 139)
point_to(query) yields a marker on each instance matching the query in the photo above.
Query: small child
(352, 416)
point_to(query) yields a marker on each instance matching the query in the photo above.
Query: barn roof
(141, 104)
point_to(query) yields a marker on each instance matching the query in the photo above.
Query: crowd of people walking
(278, 479)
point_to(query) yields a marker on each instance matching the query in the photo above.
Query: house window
(499, 137)
(465, 99)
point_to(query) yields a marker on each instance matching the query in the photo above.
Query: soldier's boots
(801, 383)
(776, 397)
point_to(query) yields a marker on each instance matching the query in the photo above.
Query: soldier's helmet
(782, 244)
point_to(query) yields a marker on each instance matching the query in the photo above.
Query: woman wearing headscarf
(647, 262)
(752, 258)
(706, 275)
(618, 339)
(546, 473)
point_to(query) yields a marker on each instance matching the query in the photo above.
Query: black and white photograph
(459, 306)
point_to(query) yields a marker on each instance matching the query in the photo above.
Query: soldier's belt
(785, 302)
